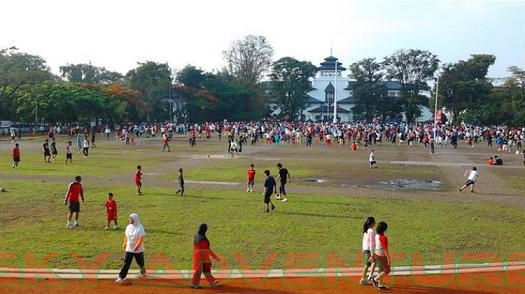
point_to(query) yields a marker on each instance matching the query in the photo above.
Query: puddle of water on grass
(315, 180)
(410, 184)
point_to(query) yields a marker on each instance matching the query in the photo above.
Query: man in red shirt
(251, 178)
(74, 192)
(138, 179)
(16, 155)
(111, 210)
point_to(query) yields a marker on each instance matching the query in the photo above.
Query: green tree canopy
(87, 73)
(412, 68)
(290, 84)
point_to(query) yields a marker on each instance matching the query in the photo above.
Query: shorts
(74, 206)
(112, 217)
(138, 183)
(16, 159)
(366, 257)
(69, 156)
(373, 162)
(383, 264)
(47, 153)
(469, 182)
(251, 182)
(267, 197)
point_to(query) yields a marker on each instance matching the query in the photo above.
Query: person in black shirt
(181, 183)
(47, 152)
(54, 150)
(269, 186)
(284, 177)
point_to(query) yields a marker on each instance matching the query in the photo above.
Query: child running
(251, 178)
(284, 177)
(471, 179)
(381, 255)
(111, 211)
(369, 242)
(181, 183)
(372, 159)
(138, 179)
(16, 155)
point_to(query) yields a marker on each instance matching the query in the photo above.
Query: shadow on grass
(319, 215)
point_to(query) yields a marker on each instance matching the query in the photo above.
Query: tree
(412, 68)
(249, 58)
(17, 70)
(87, 73)
(464, 85)
(290, 84)
(153, 81)
(369, 89)
(191, 76)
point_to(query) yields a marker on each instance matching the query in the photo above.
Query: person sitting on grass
(490, 161)
(381, 255)
(498, 160)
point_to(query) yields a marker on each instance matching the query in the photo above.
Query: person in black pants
(284, 177)
(134, 247)
(269, 186)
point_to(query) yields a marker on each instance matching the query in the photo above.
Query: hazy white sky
(118, 33)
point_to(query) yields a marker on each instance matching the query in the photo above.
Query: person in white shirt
(372, 159)
(472, 176)
(369, 240)
(134, 247)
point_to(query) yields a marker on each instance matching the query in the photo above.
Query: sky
(117, 34)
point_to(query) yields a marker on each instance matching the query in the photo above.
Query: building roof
(348, 100)
(390, 85)
(323, 109)
(329, 64)
(312, 100)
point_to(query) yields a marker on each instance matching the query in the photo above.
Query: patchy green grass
(35, 222)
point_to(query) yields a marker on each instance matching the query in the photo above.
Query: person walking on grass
(472, 176)
(284, 177)
(69, 153)
(111, 211)
(47, 152)
(85, 147)
(133, 245)
(138, 179)
(372, 159)
(54, 151)
(16, 155)
(202, 255)
(73, 195)
(165, 142)
(270, 186)
(369, 243)
(381, 255)
(181, 183)
(250, 183)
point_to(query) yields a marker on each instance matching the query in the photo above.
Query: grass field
(33, 217)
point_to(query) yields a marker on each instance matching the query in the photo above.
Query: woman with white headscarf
(134, 247)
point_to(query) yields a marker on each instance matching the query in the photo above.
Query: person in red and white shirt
(250, 178)
(138, 179)
(381, 255)
(73, 195)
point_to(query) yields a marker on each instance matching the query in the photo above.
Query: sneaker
(115, 227)
(214, 283)
(284, 200)
(120, 280)
(196, 286)
(278, 197)
(273, 207)
(247, 190)
(142, 276)
(374, 282)
(69, 226)
(77, 224)
(106, 228)
(382, 287)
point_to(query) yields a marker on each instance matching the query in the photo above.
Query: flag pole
(335, 92)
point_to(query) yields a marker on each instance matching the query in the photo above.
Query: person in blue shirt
(269, 186)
